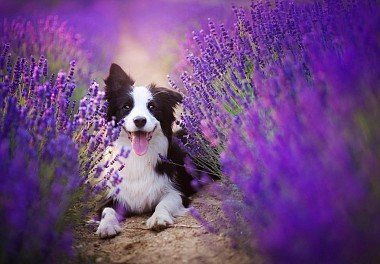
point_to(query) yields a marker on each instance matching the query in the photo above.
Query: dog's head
(147, 111)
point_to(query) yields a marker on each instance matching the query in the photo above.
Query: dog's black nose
(139, 121)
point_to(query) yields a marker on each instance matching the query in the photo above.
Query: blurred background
(147, 38)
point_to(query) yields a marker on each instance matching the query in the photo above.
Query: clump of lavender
(307, 167)
(51, 38)
(48, 152)
(220, 85)
(293, 90)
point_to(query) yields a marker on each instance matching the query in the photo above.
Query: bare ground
(185, 242)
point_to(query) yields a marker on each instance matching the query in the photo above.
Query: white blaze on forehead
(141, 96)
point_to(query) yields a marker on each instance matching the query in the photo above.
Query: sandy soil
(184, 242)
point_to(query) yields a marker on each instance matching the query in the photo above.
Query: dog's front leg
(109, 224)
(167, 209)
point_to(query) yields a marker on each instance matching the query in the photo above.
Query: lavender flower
(48, 153)
(51, 38)
(290, 91)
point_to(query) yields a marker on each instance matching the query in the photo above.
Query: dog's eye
(126, 107)
(151, 106)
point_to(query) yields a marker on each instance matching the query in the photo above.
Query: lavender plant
(47, 152)
(53, 39)
(306, 166)
(221, 83)
(293, 90)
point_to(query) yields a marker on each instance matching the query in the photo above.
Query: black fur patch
(163, 105)
(175, 167)
(118, 93)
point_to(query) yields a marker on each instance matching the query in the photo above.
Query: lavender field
(281, 102)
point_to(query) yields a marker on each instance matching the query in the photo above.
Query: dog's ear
(165, 101)
(174, 97)
(167, 96)
(117, 80)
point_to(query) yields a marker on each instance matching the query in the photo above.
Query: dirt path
(186, 242)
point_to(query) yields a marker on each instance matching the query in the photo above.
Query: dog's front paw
(108, 227)
(159, 220)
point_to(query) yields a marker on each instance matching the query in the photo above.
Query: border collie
(149, 184)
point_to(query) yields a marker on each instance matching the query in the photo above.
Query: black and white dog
(149, 184)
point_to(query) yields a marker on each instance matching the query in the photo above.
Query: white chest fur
(142, 188)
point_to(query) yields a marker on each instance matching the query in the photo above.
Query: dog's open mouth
(140, 141)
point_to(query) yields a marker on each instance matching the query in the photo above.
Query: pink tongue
(139, 143)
